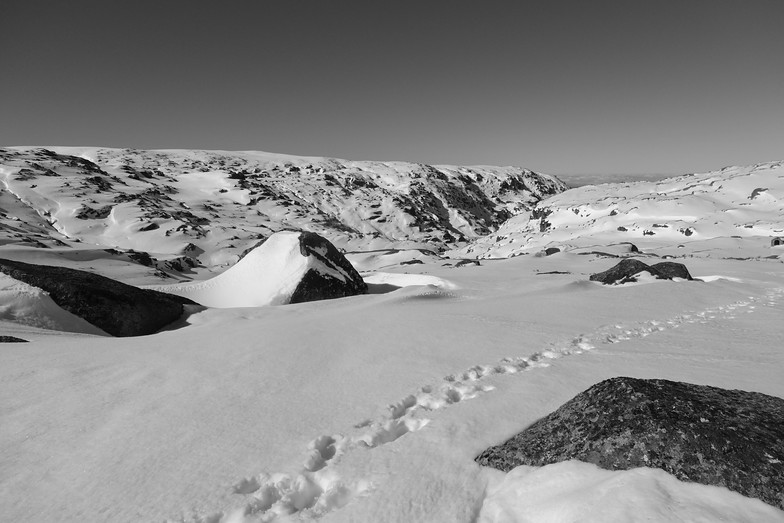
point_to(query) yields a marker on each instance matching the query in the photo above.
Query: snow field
(312, 494)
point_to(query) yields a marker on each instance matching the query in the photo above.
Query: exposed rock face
(316, 285)
(117, 308)
(12, 339)
(708, 435)
(357, 204)
(672, 270)
(626, 270)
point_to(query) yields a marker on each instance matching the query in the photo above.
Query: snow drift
(289, 267)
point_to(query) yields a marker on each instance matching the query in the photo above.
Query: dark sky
(561, 87)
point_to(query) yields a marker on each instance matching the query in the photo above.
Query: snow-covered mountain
(734, 202)
(208, 207)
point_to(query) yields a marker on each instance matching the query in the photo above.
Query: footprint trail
(317, 488)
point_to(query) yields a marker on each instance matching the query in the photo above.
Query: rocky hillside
(735, 202)
(206, 208)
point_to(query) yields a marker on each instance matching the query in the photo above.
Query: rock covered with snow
(628, 269)
(332, 275)
(708, 435)
(289, 267)
(111, 306)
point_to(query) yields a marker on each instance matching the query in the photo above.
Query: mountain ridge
(217, 204)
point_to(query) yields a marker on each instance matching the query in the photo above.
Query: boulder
(551, 250)
(116, 308)
(708, 435)
(288, 267)
(339, 280)
(623, 272)
(12, 339)
(628, 268)
(672, 270)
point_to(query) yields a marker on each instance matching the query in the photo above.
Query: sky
(562, 87)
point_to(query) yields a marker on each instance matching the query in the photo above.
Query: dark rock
(12, 339)
(117, 308)
(708, 435)
(88, 213)
(623, 272)
(141, 257)
(412, 262)
(463, 263)
(627, 269)
(672, 270)
(315, 285)
(551, 250)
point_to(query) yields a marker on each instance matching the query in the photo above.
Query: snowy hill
(190, 208)
(742, 202)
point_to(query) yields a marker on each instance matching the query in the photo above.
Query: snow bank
(28, 305)
(268, 275)
(577, 491)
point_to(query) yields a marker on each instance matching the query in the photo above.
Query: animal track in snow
(317, 489)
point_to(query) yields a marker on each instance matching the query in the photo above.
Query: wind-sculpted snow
(743, 202)
(290, 267)
(221, 203)
(318, 487)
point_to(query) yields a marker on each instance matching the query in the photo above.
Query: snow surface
(372, 408)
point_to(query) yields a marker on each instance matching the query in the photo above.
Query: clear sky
(628, 86)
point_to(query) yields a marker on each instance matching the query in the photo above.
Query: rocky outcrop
(708, 435)
(321, 285)
(288, 267)
(628, 268)
(672, 270)
(12, 339)
(116, 308)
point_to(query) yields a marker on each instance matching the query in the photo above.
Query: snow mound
(28, 305)
(270, 274)
(577, 491)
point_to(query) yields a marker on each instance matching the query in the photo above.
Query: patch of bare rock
(628, 269)
(116, 308)
(697, 433)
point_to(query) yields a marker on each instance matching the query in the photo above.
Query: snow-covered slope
(209, 206)
(742, 202)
